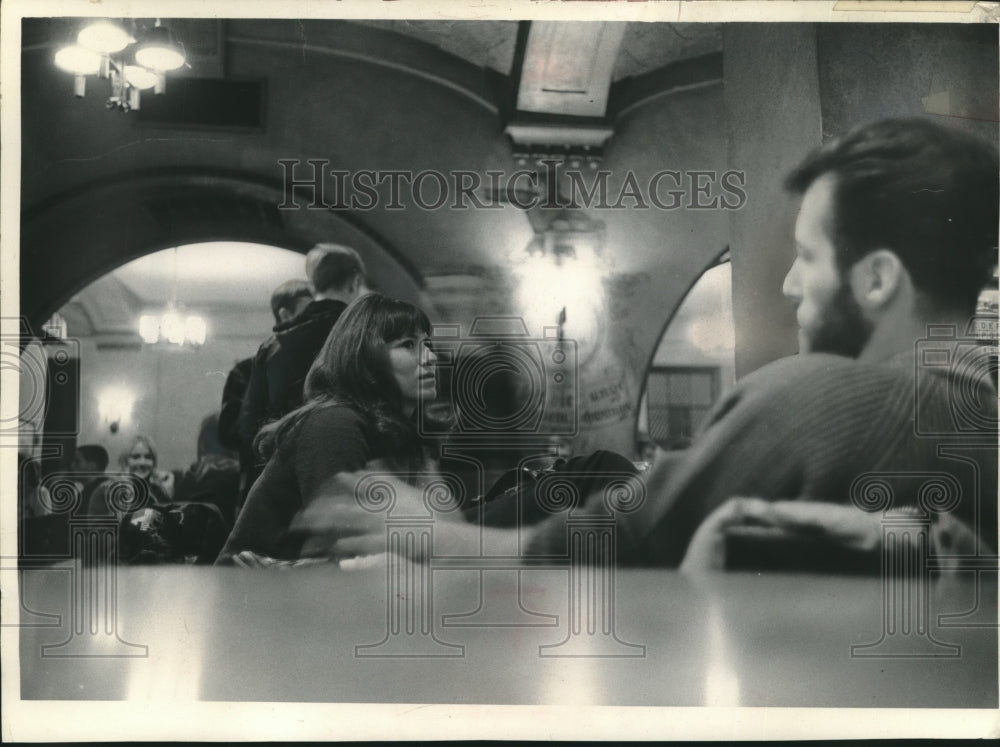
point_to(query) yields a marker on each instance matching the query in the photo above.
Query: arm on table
(782, 529)
(334, 524)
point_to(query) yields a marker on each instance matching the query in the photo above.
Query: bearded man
(895, 239)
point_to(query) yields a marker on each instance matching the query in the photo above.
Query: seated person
(896, 233)
(360, 397)
(215, 476)
(88, 467)
(139, 461)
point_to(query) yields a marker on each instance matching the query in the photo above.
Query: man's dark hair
(95, 454)
(286, 294)
(335, 268)
(924, 191)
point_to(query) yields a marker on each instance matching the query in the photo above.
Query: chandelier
(112, 52)
(173, 325)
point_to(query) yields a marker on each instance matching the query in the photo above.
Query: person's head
(898, 212)
(377, 352)
(289, 299)
(208, 438)
(90, 458)
(140, 457)
(335, 271)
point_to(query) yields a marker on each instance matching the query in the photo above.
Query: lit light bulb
(159, 58)
(104, 37)
(172, 326)
(78, 60)
(115, 405)
(158, 50)
(140, 77)
(195, 330)
(149, 328)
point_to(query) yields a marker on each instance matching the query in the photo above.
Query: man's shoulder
(309, 330)
(266, 349)
(320, 311)
(240, 373)
(820, 378)
(821, 367)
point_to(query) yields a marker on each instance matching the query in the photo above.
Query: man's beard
(843, 329)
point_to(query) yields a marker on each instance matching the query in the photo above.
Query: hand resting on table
(348, 518)
(844, 530)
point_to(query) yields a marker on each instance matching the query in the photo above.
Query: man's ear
(284, 315)
(877, 277)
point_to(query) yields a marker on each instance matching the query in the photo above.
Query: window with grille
(679, 398)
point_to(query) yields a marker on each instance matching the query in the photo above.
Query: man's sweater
(807, 428)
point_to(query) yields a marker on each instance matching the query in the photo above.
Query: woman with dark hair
(360, 397)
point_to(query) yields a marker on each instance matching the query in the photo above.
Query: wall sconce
(561, 277)
(114, 407)
(107, 50)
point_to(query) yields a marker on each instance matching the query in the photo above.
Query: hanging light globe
(104, 37)
(78, 60)
(159, 51)
(140, 77)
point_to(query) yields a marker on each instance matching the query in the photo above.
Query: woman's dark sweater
(329, 440)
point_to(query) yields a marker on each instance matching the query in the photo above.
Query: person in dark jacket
(277, 377)
(288, 300)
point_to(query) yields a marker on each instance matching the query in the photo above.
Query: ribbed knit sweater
(805, 428)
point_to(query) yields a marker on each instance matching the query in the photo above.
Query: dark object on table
(771, 549)
(191, 533)
(516, 490)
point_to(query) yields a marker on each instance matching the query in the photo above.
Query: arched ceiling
(377, 95)
(488, 44)
(493, 44)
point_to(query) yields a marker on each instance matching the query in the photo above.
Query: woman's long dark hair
(352, 370)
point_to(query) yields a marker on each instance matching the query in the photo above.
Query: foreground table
(502, 636)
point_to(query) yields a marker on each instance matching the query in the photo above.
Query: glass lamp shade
(195, 330)
(149, 328)
(159, 51)
(78, 60)
(104, 37)
(140, 77)
(172, 328)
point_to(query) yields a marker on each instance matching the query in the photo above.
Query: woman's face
(412, 362)
(140, 460)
